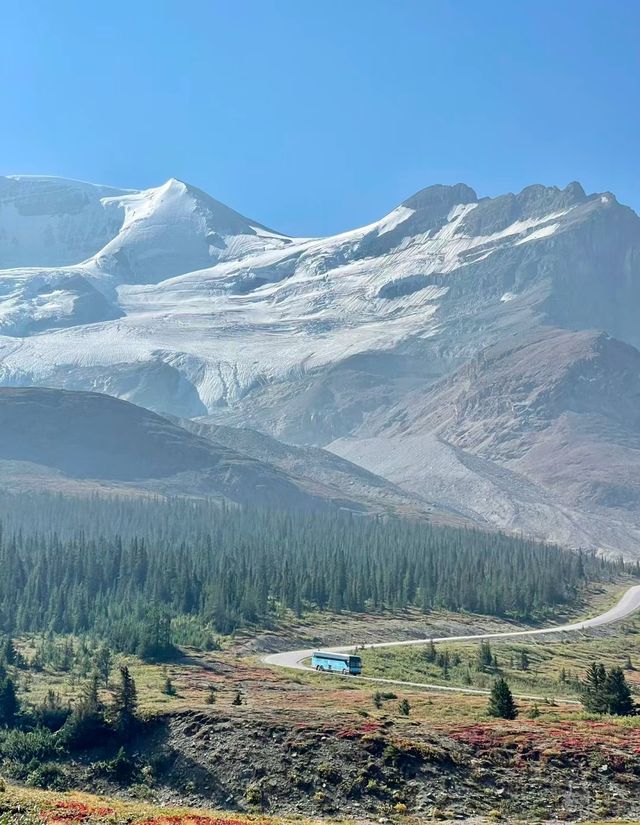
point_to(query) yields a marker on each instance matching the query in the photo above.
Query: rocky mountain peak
(441, 198)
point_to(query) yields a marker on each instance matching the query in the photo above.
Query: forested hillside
(126, 569)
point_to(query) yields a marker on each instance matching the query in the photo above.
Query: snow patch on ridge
(394, 219)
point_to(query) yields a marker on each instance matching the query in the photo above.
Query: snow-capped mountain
(169, 299)
(66, 247)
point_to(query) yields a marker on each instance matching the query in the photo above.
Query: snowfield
(190, 283)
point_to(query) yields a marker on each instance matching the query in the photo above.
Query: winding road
(294, 659)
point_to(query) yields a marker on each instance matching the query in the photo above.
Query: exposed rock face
(541, 432)
(171, 300)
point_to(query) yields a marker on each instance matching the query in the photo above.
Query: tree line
(146, 575)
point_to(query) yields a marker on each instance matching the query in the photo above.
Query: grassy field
(549, 667)
(554, 667)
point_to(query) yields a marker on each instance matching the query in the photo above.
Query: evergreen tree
(607, 692)
(67, 656)
(52, 714)
(9, 704)
(86, 724)
(430, 652)
(123, 711)
(501, 703)
(404, 708)
(619, 700)
(8, 653)
(104, 662)
(594, 696)
(485, 656)
(155, 636)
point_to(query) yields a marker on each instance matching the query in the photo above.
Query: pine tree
(430, 652)
(485, 656)
(9, 654)
(103, 662)
(501, 703)
(125, 703)
(67, 656)
(377, 699)
(155, 638)
(524, 660)
(594, 697)
(52, 713)
(9, 704)
(86, 724)
(618, 694)
(404, 708)
(237, 699)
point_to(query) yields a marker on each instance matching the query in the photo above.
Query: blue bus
(337, 663)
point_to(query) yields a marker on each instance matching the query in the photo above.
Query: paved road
(628, 604)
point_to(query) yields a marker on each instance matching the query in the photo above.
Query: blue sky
(314, 117)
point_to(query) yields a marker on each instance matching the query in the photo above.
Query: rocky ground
(375, 769)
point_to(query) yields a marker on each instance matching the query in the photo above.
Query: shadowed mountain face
(175, 302)
(87, 435)
(52, 438)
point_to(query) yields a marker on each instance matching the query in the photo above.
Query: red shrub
(66, 811)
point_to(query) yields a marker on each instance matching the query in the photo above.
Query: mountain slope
(52, 222)
(174, 229)
(539, 433)
(80, 441)
(92, 437)
(320, 471)
(66, 246)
